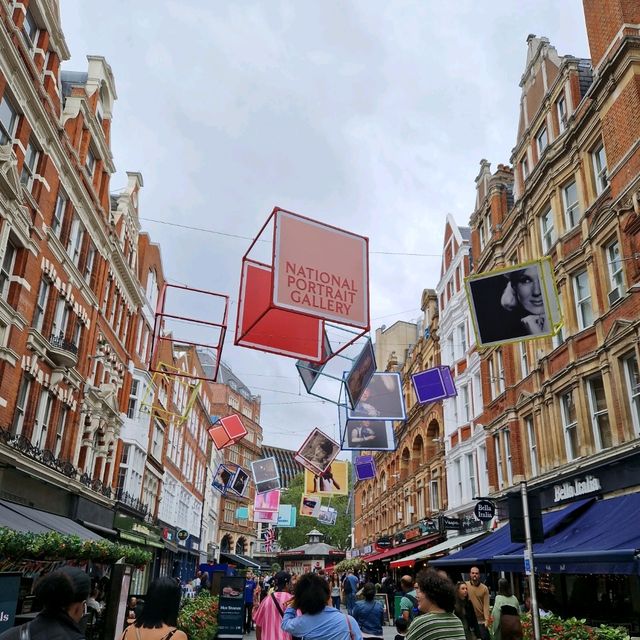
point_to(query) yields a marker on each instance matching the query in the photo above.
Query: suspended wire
(239, 237)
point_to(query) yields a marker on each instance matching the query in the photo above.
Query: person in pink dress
(268, 616)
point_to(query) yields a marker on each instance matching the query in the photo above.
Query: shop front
(588, 565)
(188, 556)
(133, 531)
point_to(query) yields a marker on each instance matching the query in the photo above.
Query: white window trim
(600, 172)
(634, 397)
(613, 272)
(533, 445)
(593, 410)
(562, 118)
(548, 233)
(581, 302)
(570, 208)
(539, 144)
(566, 425)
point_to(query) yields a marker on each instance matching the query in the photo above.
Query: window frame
(617, 273)
(59, 213)
(30, 37)
(547, 233)
(42, 301)
(570, 208)
(581, 303)
(542, 139)
(29, 170)
(634, 398)
(498, 454)
(596, 414)
(532, 442)
(562, 112)
(22, 403)
(7, 132)
(7, 268)
(600, 168)
(568, 426)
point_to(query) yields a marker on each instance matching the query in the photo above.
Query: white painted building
(464, 438)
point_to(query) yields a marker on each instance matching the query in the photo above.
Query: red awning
(389, 553)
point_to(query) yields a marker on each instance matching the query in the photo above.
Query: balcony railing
(66, 345)
(48, 458)
(134, 503)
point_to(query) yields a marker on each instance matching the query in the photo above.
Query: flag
(269, 539)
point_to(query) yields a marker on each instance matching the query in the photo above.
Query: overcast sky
(368, 114)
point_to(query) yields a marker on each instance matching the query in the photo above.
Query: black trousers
(248, 620)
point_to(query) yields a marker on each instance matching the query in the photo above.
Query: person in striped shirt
(436, 600)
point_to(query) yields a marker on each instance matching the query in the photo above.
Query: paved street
(389, 633)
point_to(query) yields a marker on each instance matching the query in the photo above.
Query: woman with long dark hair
(335, 590)
(463, 608)
(158, 619)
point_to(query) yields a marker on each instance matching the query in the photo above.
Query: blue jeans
(351, 602)
(336, 601)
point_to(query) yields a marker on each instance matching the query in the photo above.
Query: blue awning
(499, 542)
(603, 539)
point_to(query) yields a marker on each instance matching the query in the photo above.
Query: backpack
(414, 611)
(347, 586)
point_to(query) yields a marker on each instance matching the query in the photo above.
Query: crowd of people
(432, 607)
(283, 606)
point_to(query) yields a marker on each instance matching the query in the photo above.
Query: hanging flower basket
(17, 545)
(199, 617)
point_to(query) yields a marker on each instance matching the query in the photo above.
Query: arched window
(417, 453)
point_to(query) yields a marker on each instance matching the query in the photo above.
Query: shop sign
(231, 607)
(9, 589)
(168, 534)
(127, 523)
(384, 542)
(485, 510)
(579, 487)
(453, 524)
(182, 535)
(367, 549)
(412, 533)
(470, 524)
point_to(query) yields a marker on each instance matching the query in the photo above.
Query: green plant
(355, 564)
(605, 632)
(555, 628)
(52, 545)
(198, 617)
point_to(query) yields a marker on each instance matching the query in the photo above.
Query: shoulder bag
(281, 612)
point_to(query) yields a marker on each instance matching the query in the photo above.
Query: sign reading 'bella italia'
(579, 487)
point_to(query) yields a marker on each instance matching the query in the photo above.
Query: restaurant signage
(384, 542)
(450, 523)
(485, 510)
(576, 488)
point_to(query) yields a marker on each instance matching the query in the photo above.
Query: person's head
(65, 590)
(249, 575)
(523, 289)
(402, 624)
(462, 593)
(406, 583)
(282, 580)
(161, 604)
(311, 593)
(350, 572)
(434, 592)
(474, 576)
(133, 601)
(504, 587)
(369, 591)
(322, 450)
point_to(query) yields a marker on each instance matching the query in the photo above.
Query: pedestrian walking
(335, 591)
(268, 616)
(319, 620)
(63, 594)
(249, 590)
(479, 596)
(369, 613)
(350, 588)
(465, 611)
(506, 614)
(436, 600)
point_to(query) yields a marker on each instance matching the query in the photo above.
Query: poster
(363, 368)
(287, 516)
(327, 515)
(231, 607)
(269, 501)
(333, 481)
(9, 589)
(317, 452)
(368, 435)
(381, 399)
(310, 506)
(515, 303)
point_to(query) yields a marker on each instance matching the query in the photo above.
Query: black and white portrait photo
(240, 482)
(381, 399)
(510, 304)
(369, 435)
(264, 469)
(358, 378)
(222, 478)
(317, 452)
